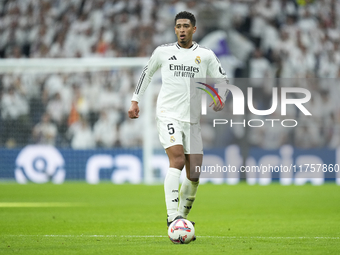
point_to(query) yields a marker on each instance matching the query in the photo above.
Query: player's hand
(134, 110)
(218, 106)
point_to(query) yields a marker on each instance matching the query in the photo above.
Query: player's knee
(193, 176)
(178, 162)
(193, 179)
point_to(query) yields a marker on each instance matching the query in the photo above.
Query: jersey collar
(193, 46)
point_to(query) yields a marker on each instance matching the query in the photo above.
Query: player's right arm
(134, 110)
(153, 65)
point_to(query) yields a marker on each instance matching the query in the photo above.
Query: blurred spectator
(259, 72)
(130, 133)
(80, 102)
(306, 136)
(57, 110)
(45, 132)
(10, 113)
(333, 132)
(14, 112)
(81, 135)
(105, 132)
(259, 68)
(273, 134)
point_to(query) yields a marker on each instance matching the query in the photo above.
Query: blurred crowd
(289, 38)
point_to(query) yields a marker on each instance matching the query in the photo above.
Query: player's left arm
(215, 70)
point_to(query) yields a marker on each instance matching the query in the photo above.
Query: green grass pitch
(78, 218)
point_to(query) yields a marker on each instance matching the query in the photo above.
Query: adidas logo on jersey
(173, 58)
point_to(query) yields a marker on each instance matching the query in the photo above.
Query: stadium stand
(292, 39)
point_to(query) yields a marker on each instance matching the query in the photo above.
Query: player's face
(184, 31)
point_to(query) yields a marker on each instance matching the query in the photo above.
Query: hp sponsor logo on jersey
(39, 164)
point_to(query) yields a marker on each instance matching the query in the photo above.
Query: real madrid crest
(198, 60)
(172, 139)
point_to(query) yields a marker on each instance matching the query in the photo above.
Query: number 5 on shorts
(171, 129)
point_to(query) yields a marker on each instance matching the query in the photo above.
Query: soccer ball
(181, 231)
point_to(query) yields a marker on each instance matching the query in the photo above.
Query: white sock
(171, 184)
(187, 196)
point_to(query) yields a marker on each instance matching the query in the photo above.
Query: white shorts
(174, 132)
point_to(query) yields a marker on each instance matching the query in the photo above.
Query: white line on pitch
(161, 236)
(37, 204)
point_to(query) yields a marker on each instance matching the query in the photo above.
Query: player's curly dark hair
(186, 15)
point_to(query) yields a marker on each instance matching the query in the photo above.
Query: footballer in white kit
(175, 102)
(178, 110)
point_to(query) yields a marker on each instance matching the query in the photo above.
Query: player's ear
(194, 29)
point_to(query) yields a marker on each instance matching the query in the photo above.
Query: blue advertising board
(287, 165)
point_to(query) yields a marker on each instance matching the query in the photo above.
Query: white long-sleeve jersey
(178, 65)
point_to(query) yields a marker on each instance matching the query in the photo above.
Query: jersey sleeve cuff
(135, 98)
(222, 98)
